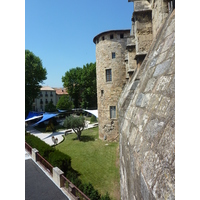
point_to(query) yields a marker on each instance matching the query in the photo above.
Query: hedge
(53, 156)
(63, 161)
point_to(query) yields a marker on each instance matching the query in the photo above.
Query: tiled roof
(60, 91)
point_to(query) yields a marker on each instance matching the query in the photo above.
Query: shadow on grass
(85, 138)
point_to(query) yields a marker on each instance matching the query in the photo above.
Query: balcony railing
(28, 148)
(70, 187)
(45, 163)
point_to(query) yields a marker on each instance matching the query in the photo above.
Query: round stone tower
(111, 78)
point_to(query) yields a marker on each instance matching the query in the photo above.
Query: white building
(48, 94)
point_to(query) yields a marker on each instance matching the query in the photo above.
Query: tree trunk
(79, 136)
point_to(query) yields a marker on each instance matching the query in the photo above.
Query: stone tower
(111, 78)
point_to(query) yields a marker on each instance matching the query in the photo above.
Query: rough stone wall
(143, 26)
(159, 14)
(146, 112)
(108, 92)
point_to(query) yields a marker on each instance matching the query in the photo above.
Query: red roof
(61, 91)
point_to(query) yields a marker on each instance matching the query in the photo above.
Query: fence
(28, 148)
(60, 179)
(73, 189)
(45, 163)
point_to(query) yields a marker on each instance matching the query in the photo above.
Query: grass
(97, 162)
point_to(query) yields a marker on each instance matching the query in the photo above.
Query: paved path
(38, 185)
(47, 137)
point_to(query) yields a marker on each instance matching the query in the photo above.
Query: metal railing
(45, 163)
(73, 189)
(28, 148)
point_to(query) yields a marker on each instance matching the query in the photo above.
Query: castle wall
(108, 92)
(146, 115)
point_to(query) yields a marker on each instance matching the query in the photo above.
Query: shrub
(61, 160)
(105, 197)
(93, 119)
(43, 148)
(89, 190)
(50, 127)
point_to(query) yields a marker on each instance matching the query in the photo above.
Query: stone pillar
(57, 176)
(34, 154)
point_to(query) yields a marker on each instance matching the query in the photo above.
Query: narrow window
(113, 112)
(103, 38)
(111, 36)
(108, 75)
(122, 35)
(102, 92)
(113, 55)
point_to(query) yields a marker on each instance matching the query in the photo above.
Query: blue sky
(61, 32)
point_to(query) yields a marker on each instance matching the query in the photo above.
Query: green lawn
(97, 161)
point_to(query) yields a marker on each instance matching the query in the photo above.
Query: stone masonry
(146, 111)
(110, 55)
(140, 94)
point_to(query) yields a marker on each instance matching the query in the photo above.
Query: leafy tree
(76, 123)
(81, 85)
(64, 103)
(35, 73)
(89, 86)
(72, 81)
(50, 107)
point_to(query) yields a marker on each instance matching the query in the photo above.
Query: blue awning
(32, 114)
(45, 117)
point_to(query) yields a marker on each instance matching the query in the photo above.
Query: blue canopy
(32, 114)
(45, 117)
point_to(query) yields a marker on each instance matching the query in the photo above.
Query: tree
(72, 81)
(64, 103)
(89, 86)
(81, 85)
(50, 107)
(76, 123)
(35, 73)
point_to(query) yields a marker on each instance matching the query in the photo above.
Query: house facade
(47, 94)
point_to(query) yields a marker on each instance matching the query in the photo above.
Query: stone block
(150, 85)
(167, 145)
(162, 68)
(154, 101)
(142, 6)
(164, 187)
(153, 128)
(163, 106)
(161, 57)
(163, 83)
(151, 167)
(142, 100)
(168, 42)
